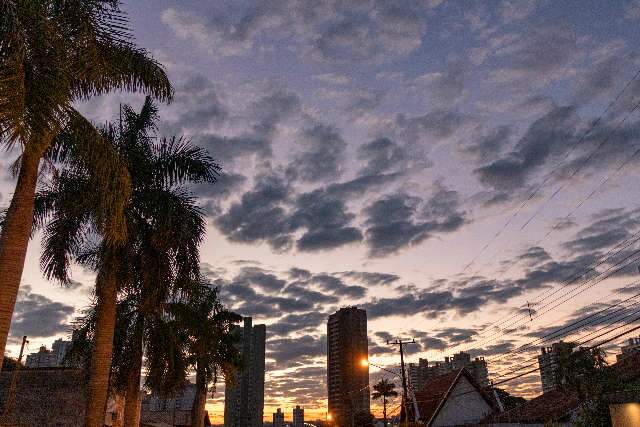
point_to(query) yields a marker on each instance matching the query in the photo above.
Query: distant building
(633, 346)
(244, 402)
(278, 418)
(298, 416)
(347, 378)
(45, 358)
(548, 363)
(424, 370)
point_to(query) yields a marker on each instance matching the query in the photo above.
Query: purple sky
(373, 153)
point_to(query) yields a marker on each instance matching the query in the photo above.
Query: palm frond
(178, 160)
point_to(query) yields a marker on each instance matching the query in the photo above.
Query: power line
(580, 290)
(549, 175)
(568, 281)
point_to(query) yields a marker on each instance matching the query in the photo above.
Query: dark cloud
(381, 155)
(229, 149)
(272, 109)
(304, 322)
(271, 213)
(326, 31)
(296, 351)
(397, 221)
(609, 227)
(490, 145)
(538, 54)
(364, 101)
(372, 278)
(433, 126)
(323, 155)
(548, 137)
(255, 276)
(37, 316)
(259, 216)
(198, 106)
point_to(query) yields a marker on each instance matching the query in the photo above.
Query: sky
(439, 163)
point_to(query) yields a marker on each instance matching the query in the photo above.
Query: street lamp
(366, 362)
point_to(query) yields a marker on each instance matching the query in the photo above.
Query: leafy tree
(363, 419)
(211, 345)
(52, 54)
(384, 389)
(159, 254)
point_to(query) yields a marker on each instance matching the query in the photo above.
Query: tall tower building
(278, 418)
(298, 416)
(244, 402)
(347, 377)
(548, 361)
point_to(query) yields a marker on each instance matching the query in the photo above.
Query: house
(561, 406)
(453, 399)
(50, 396)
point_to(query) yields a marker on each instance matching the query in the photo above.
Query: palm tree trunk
(107, 291)
(14, 240)
(132, 401)
(384, 410)
(197, 412)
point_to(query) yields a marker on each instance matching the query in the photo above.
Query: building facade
(347, 377)
(548, 363)
(244, 401)
(424, 370)
(278, 418)
(45, 358)
(298, 416)
(633, 346)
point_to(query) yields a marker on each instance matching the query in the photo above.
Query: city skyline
(426, 162)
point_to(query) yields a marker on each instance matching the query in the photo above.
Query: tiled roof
(436, 390)
(556, 404)
(549, 406)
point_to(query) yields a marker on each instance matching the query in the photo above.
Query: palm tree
(52, 54)
(384, 389)
(212, 346)
(164, 228)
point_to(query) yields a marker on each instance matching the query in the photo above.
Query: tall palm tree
(212, 347)
(52, 54)
(384, 389)
(163, 230)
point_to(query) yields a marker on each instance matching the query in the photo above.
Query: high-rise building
(244, 401)
(633, 346)
(298, 416)
(424, 370)
(548, 363)
(278, 418)
(347, 376)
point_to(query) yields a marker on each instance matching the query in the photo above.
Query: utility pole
(405, 395)
(14, 379)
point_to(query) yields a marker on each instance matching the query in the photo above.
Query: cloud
(398, 221)
(325, 31)
(37, 316)
(538, 55)
(547, 137)
(381, 155)
(323, 155)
